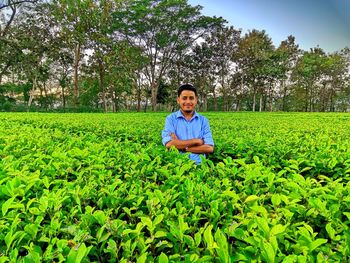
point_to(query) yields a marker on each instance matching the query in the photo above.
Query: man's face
(187, 101)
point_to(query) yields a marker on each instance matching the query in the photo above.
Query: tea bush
(102, 188)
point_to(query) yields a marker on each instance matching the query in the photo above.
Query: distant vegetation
(86, 55)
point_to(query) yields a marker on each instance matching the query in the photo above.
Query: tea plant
(102, 188)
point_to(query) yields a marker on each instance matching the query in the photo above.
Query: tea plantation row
(102, 188)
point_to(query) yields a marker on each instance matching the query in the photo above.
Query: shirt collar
(180, 115)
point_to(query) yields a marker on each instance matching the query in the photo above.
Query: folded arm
(192, 145)
(205, 148)
(183, 144)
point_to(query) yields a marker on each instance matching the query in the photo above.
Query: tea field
(102, 188)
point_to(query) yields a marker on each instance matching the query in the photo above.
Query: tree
(288, 52)
(223, 42)
(74, 21)
(254, 51)
(33, 39)
(9, 48)
(163, 29)
(333, 80)
(307, 73)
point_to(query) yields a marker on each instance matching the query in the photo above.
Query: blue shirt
(195, 128)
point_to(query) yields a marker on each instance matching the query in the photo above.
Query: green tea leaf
(318, 242)
(163, 258)
(251, 198)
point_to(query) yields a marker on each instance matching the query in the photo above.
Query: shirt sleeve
(168, 128)
(207, 136)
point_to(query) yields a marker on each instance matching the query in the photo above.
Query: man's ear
(178, 100)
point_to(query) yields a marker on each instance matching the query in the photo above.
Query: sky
(323, 23)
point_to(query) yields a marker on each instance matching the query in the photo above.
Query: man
(187, 130)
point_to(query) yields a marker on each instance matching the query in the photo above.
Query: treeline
(112, 55)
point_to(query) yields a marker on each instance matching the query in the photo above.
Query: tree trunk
(215, 102)
(224, 102)
(154, 92)
(101, 84)
(271, 98)
(238, 105)
(138, 100)
(331, 102)
(254, 100)
(76, 74)
(46, 97)
(138, 93)
(306, 99)
(146, 101)
(215, 99)
(113, 101)
(63, 99)
(31, 95)
(205, 102)
(271, 104)
(284, 96)
(260, 103)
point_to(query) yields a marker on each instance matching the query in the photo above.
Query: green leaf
(76, 255)
(222, 249)
(277, 229)
(146, 221)
(208, 238)
(101, 235)
(182, 224)
(31, 229)
(159, 234)
(251, 198)
(163, 258)
(142, 258)
(32, 257)
(239, 234)
(198, 238)
(81, 253)
(34, 211)
(347, 214)
(268, 252)
(158, 219)
(318, 242)
(7, 205)
(100, 217)
(276, 199)
(11, 237)
(264, 226)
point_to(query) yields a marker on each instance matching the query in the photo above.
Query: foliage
(164, 30)
(98, 188)
(128, 48)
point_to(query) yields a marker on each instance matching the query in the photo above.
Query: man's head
(187, 98)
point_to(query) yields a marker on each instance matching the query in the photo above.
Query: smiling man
(187, 130)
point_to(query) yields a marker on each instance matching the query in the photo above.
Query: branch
(15, 3)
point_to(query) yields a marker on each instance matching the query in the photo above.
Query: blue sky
(325, 23)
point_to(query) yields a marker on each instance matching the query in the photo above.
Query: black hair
(186, 87)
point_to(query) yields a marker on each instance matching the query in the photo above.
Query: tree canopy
(115, 55)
